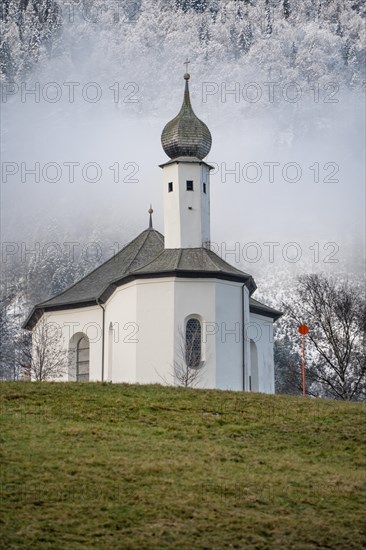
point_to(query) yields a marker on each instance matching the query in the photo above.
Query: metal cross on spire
(186, 63)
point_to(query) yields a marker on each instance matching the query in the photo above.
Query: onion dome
(186, 135)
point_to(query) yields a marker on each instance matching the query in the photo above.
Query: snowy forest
(319, 44)
(302, 41)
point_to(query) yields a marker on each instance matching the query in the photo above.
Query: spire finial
(187, 75)
(150, 211)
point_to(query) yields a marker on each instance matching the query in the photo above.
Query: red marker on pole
(303, 329)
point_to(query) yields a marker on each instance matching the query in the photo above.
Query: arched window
(82, 360)
(193, 343)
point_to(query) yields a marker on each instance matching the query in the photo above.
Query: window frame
(189, 183)
(195, 358)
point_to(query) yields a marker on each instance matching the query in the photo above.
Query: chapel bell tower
(186, 178)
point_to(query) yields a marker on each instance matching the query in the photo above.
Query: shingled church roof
(145, 257)
(262, 309)
(87, 291)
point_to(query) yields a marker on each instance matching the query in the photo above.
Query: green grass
(122, 466)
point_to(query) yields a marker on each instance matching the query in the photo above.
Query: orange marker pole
(303, 329)
(303, 366)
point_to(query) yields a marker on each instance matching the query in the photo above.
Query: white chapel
(167, 309)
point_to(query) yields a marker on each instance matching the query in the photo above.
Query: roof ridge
(212, 260)
(152, 230)
(212, 253)
(112, 258)
(179, 258)
(139, 249)
(148, 263)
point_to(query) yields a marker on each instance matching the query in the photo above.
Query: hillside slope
(122, 466)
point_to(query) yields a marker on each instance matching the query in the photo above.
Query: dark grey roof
(186, 135)
(134, 255)
(88, 290)
(262, 309)
(145, 257)
(179, 261)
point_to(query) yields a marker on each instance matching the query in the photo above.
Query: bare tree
(287, 361)
(45, 358)
(336, 315)
(10, 331)
(188, 366)
(7, 364)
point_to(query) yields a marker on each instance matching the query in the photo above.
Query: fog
(314, 194)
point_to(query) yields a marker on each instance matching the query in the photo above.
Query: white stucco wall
(155, 319)
(186, 213)
(157, 309)
(120, 347)
(142, 324)
(81, 320)
(261, 332)
(246, 340)
(229, 337)
(198, 298)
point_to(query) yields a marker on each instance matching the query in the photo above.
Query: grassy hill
(122, 466)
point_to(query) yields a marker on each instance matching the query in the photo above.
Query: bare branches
(188, 366)
(45, 359)
(335, 314)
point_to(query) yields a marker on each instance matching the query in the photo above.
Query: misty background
(126, 65)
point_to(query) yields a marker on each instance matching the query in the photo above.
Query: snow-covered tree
(329, 36)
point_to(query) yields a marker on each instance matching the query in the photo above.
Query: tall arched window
(193, 343)
(82, 360)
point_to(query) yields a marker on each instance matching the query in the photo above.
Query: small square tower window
(170, 186)
(204, 188)
(189, 185)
